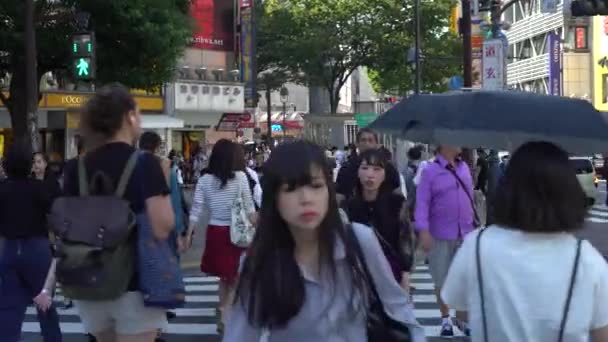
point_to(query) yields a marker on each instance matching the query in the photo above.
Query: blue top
(176, 201)
(326, 314)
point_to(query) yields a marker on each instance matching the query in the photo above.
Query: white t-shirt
(525, 279)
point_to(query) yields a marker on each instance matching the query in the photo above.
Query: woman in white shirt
(215, 194)
(303, 278)
(535, 281)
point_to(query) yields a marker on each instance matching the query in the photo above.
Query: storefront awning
(160, 121)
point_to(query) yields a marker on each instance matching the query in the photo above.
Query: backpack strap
(83, 184)
(126, 174)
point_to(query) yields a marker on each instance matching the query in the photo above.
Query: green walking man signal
(83, 56)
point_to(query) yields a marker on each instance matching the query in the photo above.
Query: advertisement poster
(214, 20)
(555, 65)
(600, 63)
(248, 67)
(477, 37)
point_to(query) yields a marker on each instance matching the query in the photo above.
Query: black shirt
(383, 215)
(147, 180)
(24, 204)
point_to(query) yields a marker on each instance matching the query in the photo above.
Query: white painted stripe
(594, 212)
(176, 329)
(188, 312)
(423, 286)
(202, 299)
(201, 280)
(596, 220)
(420, 276)
(430, 313)
(424, 299)
(192, 288)
(421, 268)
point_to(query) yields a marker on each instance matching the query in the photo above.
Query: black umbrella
(498, 120)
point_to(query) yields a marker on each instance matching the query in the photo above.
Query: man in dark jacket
(347, 178)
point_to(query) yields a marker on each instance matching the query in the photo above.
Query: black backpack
(95, 255)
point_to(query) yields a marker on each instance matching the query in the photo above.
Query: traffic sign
(365, 119)
(456, 83)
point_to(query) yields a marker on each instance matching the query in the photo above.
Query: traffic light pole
(418, 71)
(31, 75)
(467, 58)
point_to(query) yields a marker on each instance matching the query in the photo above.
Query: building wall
(577, 75)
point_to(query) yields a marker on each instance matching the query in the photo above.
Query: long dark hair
(271, 286)
(386, 218)
(221, 162)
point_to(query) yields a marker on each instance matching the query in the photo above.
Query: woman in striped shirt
(215, 194)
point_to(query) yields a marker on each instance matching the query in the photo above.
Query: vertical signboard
(214, 20)
(248, 67)
(493, 65)
(555, 64)
(476, 48)
(600, 63)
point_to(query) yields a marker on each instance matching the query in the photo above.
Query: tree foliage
(138, 42)
(328, 39)
(441, 51)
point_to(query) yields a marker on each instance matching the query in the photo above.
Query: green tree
(138, 43)
(391, 72)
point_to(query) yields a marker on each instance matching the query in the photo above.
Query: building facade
(529, 52)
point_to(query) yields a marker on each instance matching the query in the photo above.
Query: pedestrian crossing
(197, 320)
(598, 214)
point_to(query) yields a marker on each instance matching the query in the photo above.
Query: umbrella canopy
(499, 120)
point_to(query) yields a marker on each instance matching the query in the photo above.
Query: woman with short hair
(528, 278)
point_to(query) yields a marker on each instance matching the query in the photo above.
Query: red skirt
(221, 258)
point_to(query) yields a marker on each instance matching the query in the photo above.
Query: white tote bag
(241, 229)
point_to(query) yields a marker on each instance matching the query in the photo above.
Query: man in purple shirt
(443, 216)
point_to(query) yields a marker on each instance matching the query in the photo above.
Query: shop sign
(230, 122)
(209, 97)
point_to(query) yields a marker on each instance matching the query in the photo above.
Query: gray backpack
(93, 247)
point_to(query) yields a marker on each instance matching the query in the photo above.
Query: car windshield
(581, 166)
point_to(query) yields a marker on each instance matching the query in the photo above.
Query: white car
(585, 172)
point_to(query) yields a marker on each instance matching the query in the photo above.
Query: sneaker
(463, 327)
(446, 330)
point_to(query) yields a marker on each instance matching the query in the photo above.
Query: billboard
(214, 24)
(248, 66)
(555, 64)
(600, 63)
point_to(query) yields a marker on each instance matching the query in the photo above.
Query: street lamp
(284, 98)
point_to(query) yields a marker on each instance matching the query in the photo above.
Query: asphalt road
(597, 233)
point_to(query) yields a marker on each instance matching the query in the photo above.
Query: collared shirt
(326, 314)
(442, 205)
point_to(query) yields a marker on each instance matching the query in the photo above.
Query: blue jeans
(24, 265)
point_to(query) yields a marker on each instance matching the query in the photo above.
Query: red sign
(215, 24)
(245, 124)
(246, 116)
(230, 122)
(580, 38)
(246, 3)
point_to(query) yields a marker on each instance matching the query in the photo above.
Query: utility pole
(31, 75)
(418, 80)
(467, 58)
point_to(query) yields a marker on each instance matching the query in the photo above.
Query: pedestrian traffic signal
(83, 56)
(83, 68)
(589, 8)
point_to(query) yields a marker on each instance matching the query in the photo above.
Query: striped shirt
(216, 202)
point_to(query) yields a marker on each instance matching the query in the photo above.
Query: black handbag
(562, 326)
(380, 326)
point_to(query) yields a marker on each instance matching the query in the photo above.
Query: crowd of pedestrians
(321, 247)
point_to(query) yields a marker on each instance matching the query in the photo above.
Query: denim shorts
(126, 315)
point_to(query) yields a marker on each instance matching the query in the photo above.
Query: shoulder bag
(380, 326)
(476, 218)
(241, 229)
(160, 277)
(562, 326)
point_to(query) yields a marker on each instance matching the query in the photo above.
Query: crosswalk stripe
(601, 213)
(199, 315)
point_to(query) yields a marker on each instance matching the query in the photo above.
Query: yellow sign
(600, 63)
(454, 16)
(77, 100)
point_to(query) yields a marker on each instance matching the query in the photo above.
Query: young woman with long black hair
(302, 279)
(375, 204)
